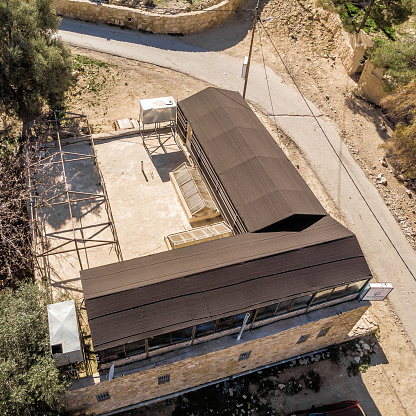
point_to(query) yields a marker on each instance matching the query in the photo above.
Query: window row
(229, 322)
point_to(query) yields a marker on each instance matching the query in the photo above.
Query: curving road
(389, 255)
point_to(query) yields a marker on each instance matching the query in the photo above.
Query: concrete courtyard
(144, 205)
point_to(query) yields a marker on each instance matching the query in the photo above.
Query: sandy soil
(388, 387)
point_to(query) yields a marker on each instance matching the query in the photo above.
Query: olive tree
(35, 66)
(30, 383)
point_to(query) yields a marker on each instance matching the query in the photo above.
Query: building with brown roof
(287, 283)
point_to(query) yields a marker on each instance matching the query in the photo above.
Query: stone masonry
(350, 48)
(187, 372)
(371, 84)
(181, 23)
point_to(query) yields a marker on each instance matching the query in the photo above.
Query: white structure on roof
(157, 110)
(193, 193)
(64, 333)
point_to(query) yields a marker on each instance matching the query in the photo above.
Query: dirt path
(112, 91)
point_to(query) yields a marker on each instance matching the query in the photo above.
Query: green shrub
(399, 59)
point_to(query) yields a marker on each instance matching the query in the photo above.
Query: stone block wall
(350, 48)
(181, 23)
(193, 371)
(371, 84)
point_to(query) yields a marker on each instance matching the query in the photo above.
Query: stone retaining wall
(349, 47)
(181, 23)
(371, 84)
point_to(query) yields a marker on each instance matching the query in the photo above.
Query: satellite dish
(111, 373)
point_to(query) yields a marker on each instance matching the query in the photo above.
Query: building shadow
(167, 162)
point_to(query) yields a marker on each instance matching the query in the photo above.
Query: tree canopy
(374, 14)
(30, 383)
(35, 66)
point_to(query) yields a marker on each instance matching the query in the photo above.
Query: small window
(103, 396)
(244, 356)
(111, 354)
(57, 349)
(163, 379)
(303, 338)
(182, 335)
(135, 348)
(323, 332)
(159, 341)
(223, 324)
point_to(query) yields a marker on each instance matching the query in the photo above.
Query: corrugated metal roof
(263, 185)
(166, 291)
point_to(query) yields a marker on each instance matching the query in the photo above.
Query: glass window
(224, 323)
(338, 292)
(111, 354)
(134, 348)
(205, 328)
(163, 379)
(181, 335)
(284, 307)
(266, 312)
(321, 296)
(159, 341)
(355, 287)
(244, 356)
(301, 302)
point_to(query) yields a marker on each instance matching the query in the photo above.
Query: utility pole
(251, 48)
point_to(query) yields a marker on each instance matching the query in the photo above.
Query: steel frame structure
(162, 132)
(56, 130)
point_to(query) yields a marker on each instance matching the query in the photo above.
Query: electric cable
(332, 146)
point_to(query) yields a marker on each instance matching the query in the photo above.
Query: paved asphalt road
(390, 256)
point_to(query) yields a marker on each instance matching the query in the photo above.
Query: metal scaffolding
(51, 137)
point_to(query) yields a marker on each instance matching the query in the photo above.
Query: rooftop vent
(193, 193)
(198, 235)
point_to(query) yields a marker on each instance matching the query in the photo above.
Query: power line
(333, 148)
(267, 80)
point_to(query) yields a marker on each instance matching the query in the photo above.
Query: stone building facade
(287, 283)
(217, 359)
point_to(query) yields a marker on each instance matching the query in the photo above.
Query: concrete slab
(144, 204)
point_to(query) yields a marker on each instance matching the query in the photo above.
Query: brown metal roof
(261, 182)
(151, 295)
